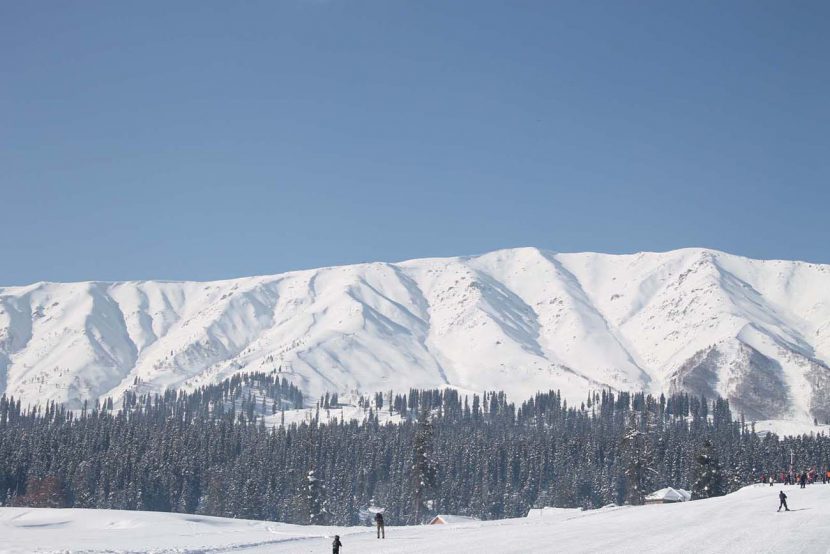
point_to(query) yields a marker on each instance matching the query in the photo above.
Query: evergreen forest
(223, 450)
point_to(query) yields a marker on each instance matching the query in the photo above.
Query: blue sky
(202, 140)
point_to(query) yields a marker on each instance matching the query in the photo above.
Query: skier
(783, 498)
(771, 480)
(335, 546)
(803, 479)
(379, 521)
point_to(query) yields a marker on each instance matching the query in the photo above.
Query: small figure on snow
(783, 498)
(771, 480)
(803, 479)
(379, 522)
(335, 546)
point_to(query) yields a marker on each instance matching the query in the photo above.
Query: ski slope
(743, 522)
(520, 320)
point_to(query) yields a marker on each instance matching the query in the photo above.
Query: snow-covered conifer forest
(221, 451)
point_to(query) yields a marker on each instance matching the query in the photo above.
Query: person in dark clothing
(335, 546)
(379, 521)
(783, 498)
(804, 480)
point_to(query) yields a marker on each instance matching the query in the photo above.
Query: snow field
(742, 522)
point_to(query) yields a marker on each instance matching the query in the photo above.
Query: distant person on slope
(335, 546)
(771, 480)
(783, 498)
(379, 521)
(803, 479)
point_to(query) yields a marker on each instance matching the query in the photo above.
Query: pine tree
(423, 465)
(709, 479)
(315, 506)
(638, 459)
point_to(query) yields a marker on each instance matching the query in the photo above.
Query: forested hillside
(210, 452)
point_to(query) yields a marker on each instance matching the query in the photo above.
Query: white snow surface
(520, 320)
(745, 521)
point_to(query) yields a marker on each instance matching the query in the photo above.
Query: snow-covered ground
(347, 412)
(783, 427)
(743, 522)
(520, 320)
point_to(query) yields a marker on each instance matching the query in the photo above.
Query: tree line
(211, 452)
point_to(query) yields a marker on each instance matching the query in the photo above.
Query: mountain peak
(520, 320)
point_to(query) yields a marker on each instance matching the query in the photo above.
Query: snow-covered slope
(757, 332)
(745, 521)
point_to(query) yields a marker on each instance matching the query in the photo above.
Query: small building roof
(670, 494)
(446, 518)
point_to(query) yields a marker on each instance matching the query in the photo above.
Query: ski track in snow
(518, 320)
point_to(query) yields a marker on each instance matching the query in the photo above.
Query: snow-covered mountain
(520, 320)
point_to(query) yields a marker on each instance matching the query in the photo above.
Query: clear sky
(203, 140)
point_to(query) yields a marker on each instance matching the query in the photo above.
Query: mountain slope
(521, 320)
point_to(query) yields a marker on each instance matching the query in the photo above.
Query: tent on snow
(668, 496)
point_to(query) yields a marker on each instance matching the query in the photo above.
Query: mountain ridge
(406, 260)
(522, 319)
